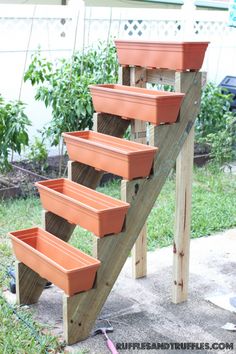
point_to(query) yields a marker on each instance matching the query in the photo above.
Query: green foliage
(161, 87)
(38, 153)
(20, 334)
(127, 134)
(63, 86)
(215, 124)
(13, 130)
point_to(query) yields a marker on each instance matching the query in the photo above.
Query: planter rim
(154, 95)
(77, 136)
(57, 245)
(55, 240)
(74, 201)
(161, 43)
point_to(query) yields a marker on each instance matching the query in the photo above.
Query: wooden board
(139, 251)
(161, 77)
(184, 168)
(184, 175)
(139, 135)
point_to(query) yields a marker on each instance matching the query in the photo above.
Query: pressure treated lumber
(184, 175)
(29, 285)
(139, 135)
(184, 166)
(80, 311)
(139, 251)
(161, 77)
(182, 229)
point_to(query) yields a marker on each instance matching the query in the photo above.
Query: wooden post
(184, 175)
(181, 247)
(139, 251)
(139, 135)
(184, 167)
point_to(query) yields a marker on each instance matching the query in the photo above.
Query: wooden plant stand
(174, 141)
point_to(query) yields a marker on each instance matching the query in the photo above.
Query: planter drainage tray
(124, 158)
(137, 103)
(83, 206)
(180, 56)
(55, 260)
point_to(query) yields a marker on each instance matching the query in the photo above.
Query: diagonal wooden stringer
(80, 311)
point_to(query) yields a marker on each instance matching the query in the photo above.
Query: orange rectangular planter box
(119, 156)
(164, 55)
(55, 260)
(83, 206)
(137, 103)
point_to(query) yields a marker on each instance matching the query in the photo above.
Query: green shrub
(38, 154)
(63, 86)
(215, 124)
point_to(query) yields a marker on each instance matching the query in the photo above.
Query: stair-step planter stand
(137, 103)
(119, 156)
(68, 203)
(83, 206)
(53, 259)
(164, 55)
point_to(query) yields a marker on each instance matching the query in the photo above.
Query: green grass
(213, 210)
(16, 337)
(213, 207)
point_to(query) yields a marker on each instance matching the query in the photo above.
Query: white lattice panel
(157, 30)
(49, 34)
(212, 29)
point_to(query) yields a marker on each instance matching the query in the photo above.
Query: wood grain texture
(181, 248)
(124, 75)
(29, 285)
(113, 251)
(138, 78)
(183, 178)
(129, 189)
(161, 77)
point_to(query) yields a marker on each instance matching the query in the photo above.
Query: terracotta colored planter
(55, 260)
(137, 103)
(165, 55)
(83, 206)
(124, 158)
